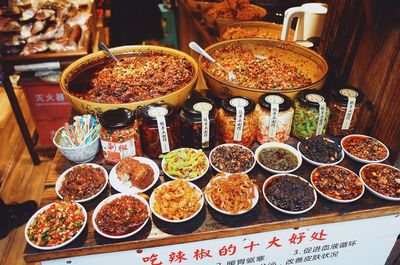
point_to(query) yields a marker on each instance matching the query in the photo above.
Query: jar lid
(343, 94)
(230, 104)
(311, 97)
(194, 106)
(265, 101)
(158, 109)
(117, 118)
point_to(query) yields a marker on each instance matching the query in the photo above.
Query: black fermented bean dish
(290, 193)
(321, 150)
(232, 158)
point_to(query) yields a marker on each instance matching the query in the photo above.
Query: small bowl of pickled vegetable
(278, 158)
(185, 163)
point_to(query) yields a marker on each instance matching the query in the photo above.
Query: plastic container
(345, 109)
(119, 135)
(160, 129)
(274, 118)
(237, 121)
(311, 114)
(199, 125)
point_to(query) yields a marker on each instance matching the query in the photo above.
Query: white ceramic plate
(152, 201)
(62, 176)
(126, 187)
(372, 190)
(41, 210)
(315, 163)
(333, 199)
(192, 179)
(359, 159)
(110, 199)
(253, 203)
(219, 170)
(270, 179)
(279, 145)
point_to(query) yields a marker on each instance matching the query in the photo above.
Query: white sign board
(360, 242)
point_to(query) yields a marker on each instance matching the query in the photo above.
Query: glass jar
(119, 135)
(274, 113)
(199, 126)
(237, 121)
(345, 109)
(160, 129)
(311, 114)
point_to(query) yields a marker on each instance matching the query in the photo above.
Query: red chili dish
(121, 216)
(365, 147)
(82, 182)
(337, 182)
(383, 179)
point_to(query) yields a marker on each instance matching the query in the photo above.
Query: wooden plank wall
(361, 42)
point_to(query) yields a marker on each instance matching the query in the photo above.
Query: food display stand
(331, 233)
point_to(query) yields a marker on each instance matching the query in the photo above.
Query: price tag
(351, 104)
(204, 108)
(321, 111)
(239, 104)
(274, 100)
(159, 113)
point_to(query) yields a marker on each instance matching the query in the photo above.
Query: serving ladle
(195, 47)
(103, 47)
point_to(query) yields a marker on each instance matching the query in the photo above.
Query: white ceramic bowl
(58, 246)
(359, 159)
(279, 145)
(333, 199)
(126, 187)
(152, 201)
(192, 179)
(254, 200)
(315, 163)
(62, 176)
(110, 199)
(270, 179)
(81, 154)
(372, 190)
(219, 170)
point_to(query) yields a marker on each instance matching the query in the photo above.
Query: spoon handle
(195, 47)
(103, 47)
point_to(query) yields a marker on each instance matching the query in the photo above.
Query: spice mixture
(232, 158)
(320, 149)
(278, 158)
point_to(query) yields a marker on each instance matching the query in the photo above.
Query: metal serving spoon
(103, 47)
(195, 47)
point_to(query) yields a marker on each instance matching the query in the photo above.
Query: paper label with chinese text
(239, 104)
(274, 100)
(114, 152)
(351, 104)
(159, 113)
(321, 111)
(204, 108)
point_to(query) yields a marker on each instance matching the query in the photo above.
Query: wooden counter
(209, 224)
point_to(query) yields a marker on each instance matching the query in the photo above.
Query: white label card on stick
(351, 104)
(159, 113)
(321, 111)
(239, 104)
(204, 108)
(274, 101)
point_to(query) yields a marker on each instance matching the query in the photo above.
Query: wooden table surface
(208, 224)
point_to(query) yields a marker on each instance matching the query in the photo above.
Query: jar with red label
(199, 125)
(237, 121)
(160, 129)
(345, 109)
(274, 118)
(119, 135)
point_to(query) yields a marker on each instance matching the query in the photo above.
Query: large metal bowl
(308, 61)
(98, 58)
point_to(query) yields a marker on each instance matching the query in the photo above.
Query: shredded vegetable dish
(177, 200)
(82, 182)
(141, 77)
(232, 193)
(255, 70)
(56, 225)
(121, 216)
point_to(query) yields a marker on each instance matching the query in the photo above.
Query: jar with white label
(160, 129)
(345, 109)
(311, 114)
(119, 135)
(237, 121)
(274, 118)
(199, 126)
